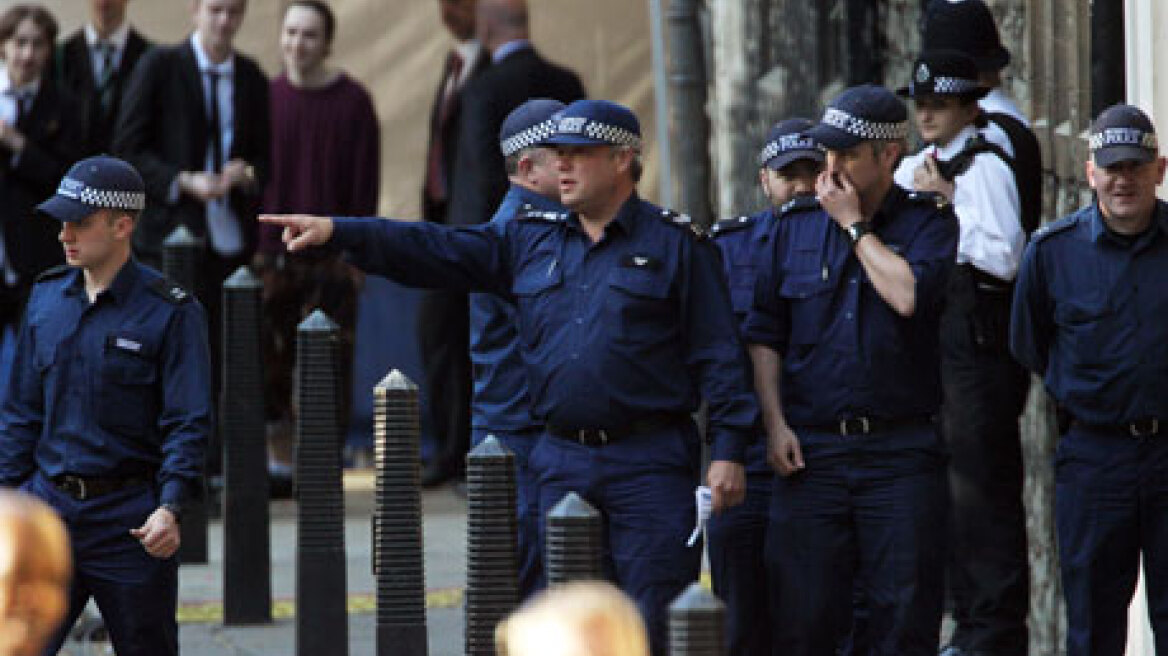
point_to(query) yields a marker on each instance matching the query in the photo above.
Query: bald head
(501, 21)
(34, 573)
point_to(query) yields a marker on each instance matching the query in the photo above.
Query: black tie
(215, 124)
(21, 98)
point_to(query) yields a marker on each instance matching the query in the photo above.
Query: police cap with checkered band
(94, 184)
(944, 73)
(597, 123)
(787, 142)
(1123, 133)
(529, 125)
(865, 113)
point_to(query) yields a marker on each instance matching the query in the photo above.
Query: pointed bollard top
(181, 236)
(573, 505)
(490, 448)
(696, 599)
(243, 278)
(317, 322)
(396, 381)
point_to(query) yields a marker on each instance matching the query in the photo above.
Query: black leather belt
(864, 425)
(82, 488)
(602, 436)
(1148, 427)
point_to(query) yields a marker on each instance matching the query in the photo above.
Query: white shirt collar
(6, 84)
(204, 62)
(956, 144)
(118, 38)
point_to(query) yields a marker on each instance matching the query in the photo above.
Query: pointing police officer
(625, 324)
(1088, 317)
(107, 410)
(789, 163)
(843, 335)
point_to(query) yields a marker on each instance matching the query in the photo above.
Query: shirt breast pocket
(534, 290)
(128, 386)
(808, 300)
(1089, 328)
(639, 304)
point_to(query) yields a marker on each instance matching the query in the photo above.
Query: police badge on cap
(787, 142)
(944, 73)
(528, 125)
(863, 113)
(1123, 133)
(597, 123)
(93, 184)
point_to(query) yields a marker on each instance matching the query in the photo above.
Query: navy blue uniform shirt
(845, 352)
(1091, 316)
(121, 386)
(500, 400)
(634, 325)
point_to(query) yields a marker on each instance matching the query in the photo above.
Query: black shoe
(435, 473)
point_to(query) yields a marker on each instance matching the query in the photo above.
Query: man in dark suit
(96, 62)
(205, 178)
(518, 73)
(40, 130)
(443, 324)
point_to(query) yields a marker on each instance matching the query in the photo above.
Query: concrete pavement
(201, 630)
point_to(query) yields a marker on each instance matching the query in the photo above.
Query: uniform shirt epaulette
(170, 291)
(928, 198)
(55, 272)
(730, 225)
(541, 215)
(684, 221)
(799, 203)
(1054, 227)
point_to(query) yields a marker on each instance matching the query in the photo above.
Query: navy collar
(625, 218)
(119, 290)
(1098, 230)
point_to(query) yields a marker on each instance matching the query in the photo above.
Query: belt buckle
(1144, 428)
(592, 436)
(861, 426)
(75, 485)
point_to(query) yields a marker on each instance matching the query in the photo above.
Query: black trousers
(984, 396)
(443, 338)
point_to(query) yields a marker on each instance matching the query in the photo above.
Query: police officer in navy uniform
(624, 326)
(107, 410)
(789, 163)
(843, 334)
(500, 403)
(1089, 317)
(984, 388)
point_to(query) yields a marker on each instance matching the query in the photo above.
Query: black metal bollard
(182, 253)
(322, 626)
(247, 579)
(696, 621)
(398, 563)
(573, 541)
(492, 567)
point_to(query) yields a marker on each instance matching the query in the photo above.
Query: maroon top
(326, 155)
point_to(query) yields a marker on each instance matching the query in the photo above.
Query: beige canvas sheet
(396, 48)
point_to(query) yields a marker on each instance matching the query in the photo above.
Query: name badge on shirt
(127, 344)
(646, 262)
